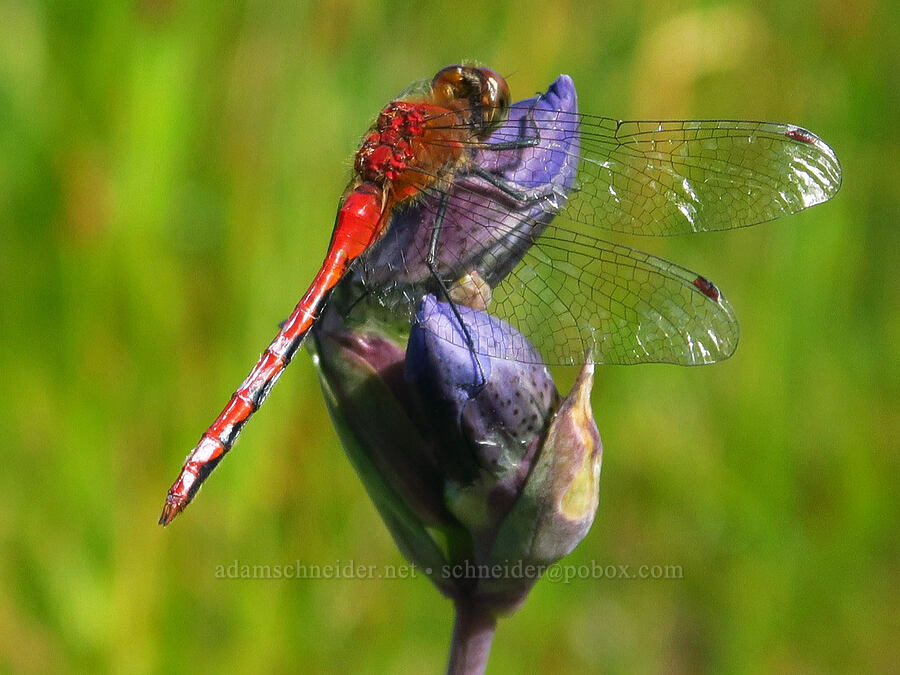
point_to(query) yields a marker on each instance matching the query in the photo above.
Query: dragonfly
(454, 182)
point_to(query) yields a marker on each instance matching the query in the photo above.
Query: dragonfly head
(480, 92)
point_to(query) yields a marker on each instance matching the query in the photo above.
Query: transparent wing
(676, 177)
(572, 295)
(617, 304)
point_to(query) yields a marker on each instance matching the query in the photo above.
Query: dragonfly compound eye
(450, 84)
(483, 93)
(495, 97)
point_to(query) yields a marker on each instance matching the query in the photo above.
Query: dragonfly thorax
(409, 147)
(387, 149)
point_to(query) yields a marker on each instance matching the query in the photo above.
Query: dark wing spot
(801, 135)
(707, 287)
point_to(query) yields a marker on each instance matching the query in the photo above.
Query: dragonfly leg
(431, 263)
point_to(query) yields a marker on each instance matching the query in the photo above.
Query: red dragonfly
(453, 182)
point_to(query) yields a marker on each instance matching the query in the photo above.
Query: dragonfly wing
(572, 297)
(677, 177)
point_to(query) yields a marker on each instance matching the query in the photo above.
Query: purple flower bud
(449, 440)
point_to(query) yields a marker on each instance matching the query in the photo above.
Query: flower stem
(473, 632)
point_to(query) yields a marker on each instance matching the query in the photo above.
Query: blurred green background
(169, 174)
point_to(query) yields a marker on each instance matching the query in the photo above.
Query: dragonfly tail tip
(170, 510)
